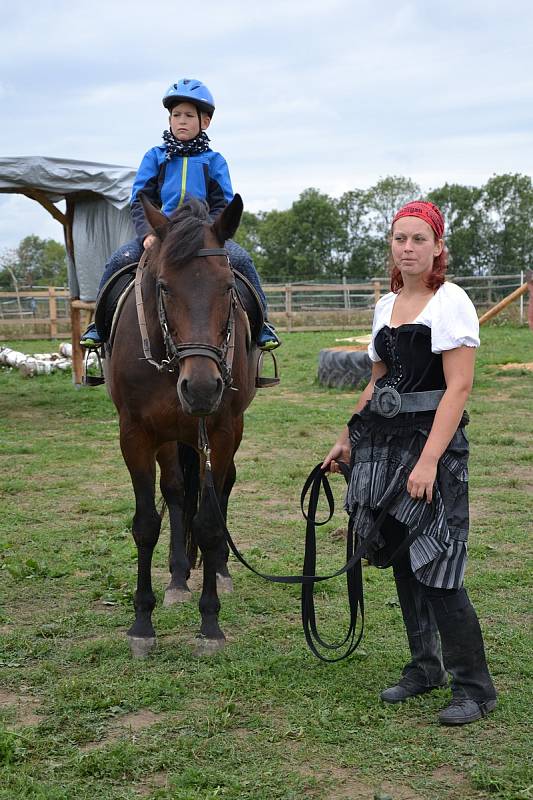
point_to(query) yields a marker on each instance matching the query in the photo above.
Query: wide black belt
(387, 402)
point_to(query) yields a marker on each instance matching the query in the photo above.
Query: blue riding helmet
(190, 90)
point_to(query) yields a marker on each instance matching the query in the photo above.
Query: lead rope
(316, 480)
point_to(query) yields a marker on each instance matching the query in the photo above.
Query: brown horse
(203, 365)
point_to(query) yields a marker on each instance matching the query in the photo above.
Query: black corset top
(406, 352)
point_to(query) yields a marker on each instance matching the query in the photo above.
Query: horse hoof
(141, 646)
(207, 647)
(224, 584)
(173, 596)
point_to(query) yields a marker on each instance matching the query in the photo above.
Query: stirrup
(265, 383)
(93, 380)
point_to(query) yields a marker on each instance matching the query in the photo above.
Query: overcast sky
(332, 94)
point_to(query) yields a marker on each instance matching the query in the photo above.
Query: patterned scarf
(429, 212)
(193, 147)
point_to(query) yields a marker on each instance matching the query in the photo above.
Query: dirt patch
(449, 776)
(128, 723)
(159, 780)
(527, 365)
(136, 721)
(23, 705)
(352, 788)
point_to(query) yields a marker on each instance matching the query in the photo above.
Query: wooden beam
(503, 304)
(40, 197)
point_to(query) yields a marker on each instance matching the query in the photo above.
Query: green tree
(317, 237)
(248, 234)
(35, 262)
(466, 228)
(508, 203)
(354, 215)
(383, 201)
(305, 242)
(274, 253)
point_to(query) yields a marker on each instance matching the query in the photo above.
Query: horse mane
(185, 235)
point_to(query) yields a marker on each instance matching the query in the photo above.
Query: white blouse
(449, 313)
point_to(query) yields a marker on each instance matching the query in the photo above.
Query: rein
(316, 481)
(222, 356)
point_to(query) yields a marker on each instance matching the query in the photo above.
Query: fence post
(377, 290)
(52, 311)
(288, 305)
(521, 298)
(346, 294)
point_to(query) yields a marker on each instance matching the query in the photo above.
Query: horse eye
(163, 288)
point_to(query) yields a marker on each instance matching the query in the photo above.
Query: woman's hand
(339, 452)
(421, 480)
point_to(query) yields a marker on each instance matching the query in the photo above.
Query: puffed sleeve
(382, 314)
(455, 322)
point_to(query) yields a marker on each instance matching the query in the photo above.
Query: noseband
(222, 356)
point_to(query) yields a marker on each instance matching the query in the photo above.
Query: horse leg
(211, 540)
(224, 581)
(211, 638)
(140, 459)
(172, 489)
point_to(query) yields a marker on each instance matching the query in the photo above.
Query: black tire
(343, 368)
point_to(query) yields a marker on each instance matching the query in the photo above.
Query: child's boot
(268, 339)
(91, 338)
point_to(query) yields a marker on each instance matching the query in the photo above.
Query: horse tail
(190, 467)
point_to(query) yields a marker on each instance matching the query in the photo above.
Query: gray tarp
(100, 193)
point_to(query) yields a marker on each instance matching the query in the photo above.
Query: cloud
(332, 95)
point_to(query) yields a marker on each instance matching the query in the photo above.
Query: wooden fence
(35, 313)
(50, 313)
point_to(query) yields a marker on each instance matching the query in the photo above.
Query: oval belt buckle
(388, 401)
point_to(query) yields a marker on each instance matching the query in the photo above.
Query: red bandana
(429, 212)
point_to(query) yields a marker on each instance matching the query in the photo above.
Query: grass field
(262, 720)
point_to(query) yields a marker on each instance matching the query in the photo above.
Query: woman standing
(409, 455)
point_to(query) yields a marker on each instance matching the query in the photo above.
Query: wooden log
(492, 312)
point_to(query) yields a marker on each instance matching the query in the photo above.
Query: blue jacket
(168, 183)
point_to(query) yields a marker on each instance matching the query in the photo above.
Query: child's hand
(149, 241)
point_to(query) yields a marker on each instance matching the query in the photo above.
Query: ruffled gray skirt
(384, 453)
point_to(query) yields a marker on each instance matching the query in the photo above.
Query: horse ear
(155, 218)
(226, 224)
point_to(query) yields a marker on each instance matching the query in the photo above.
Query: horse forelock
(186, 232)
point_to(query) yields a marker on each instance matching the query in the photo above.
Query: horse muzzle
(200, 392)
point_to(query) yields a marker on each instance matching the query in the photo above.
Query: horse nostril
(182, 386)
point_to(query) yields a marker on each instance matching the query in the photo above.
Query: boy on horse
(183, 166)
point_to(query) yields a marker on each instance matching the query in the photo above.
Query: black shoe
(462, 711)
(399, 693)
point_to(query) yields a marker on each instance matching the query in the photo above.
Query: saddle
(115, 290)
(109, 298)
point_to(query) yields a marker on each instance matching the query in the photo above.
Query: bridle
(178, 351)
